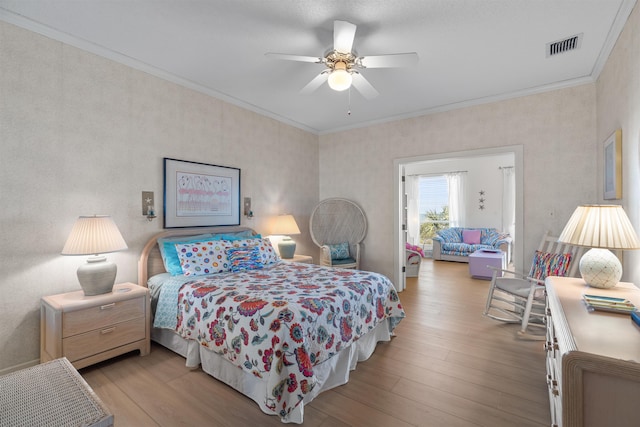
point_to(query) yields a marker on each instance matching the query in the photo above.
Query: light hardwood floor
(447, 366)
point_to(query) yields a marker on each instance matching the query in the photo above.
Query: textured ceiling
(470, 51)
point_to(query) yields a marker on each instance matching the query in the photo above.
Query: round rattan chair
(338, 227)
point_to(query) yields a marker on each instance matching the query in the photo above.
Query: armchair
(338, 227)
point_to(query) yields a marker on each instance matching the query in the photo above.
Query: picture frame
(200, 194)
(613, 166)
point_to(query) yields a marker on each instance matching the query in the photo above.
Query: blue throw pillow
(237, 236)
(339, 251)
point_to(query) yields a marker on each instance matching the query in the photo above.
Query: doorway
(443, 162)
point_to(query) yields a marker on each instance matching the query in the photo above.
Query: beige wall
(618, 107)
(80, 134)
(556, 130)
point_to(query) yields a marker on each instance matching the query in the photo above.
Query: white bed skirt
(188, 349)
(332, 373)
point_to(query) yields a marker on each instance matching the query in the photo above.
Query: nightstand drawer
(76, 322)
(106, 338)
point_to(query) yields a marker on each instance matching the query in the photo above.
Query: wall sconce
(148, 204)
(247, 208)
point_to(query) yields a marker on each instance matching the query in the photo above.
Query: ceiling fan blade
(343, 35)
(299, 58)
(315, 83)
(363, 86)
(389, 61)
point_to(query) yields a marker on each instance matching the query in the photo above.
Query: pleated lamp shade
(600, 227)
(283, 225)
(94, 235)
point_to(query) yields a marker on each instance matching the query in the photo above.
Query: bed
(278, 332)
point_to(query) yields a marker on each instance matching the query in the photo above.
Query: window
(433, 206)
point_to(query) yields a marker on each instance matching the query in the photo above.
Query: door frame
(398, 172)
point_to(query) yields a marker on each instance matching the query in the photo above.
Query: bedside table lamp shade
(600, 227)
(94, 235)
(285, 225)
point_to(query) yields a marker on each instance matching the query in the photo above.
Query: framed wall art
(200, 194)
(613, 166)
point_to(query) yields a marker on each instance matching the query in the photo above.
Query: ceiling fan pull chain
(349, 103)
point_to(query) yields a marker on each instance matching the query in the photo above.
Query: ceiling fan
(343, 64)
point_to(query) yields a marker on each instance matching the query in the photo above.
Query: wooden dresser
(593, 358)
(90, 329)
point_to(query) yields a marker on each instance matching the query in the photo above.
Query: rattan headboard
(150, 262)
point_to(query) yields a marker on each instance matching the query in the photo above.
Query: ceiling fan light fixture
(340, 79)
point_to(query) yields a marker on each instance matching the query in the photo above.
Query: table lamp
(600, 227)
(285, 225)
(94, 235)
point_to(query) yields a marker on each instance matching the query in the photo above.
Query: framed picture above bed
(200, 194)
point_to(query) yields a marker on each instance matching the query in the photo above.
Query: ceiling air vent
(562, 46)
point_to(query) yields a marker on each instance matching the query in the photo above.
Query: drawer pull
(107, 306)
(108, 330)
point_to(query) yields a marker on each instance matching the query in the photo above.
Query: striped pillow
(244, 258)
(546, 264)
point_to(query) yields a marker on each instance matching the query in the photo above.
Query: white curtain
(412, 189)
(509, 200)
(457, 197)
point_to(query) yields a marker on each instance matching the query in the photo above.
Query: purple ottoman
(479, 260)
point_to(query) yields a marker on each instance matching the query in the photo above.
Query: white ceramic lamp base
(97, 276)
(287, 248)
(600, 268)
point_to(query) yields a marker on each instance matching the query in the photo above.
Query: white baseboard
(20, 366)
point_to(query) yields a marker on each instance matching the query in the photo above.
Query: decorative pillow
(450, 235)
(471, 237)
(339, 251)
(244, 258)
(268, 255)
(489, 237)
(200, 258)
(167, 246)
(414, 248)
(546, 264)
(237, 236)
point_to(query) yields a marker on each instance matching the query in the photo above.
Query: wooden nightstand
(306, 259)
(90, 329)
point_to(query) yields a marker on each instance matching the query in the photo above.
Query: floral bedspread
(279, 323)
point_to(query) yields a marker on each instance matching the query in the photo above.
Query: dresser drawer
(103, 339)
(76, 322)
